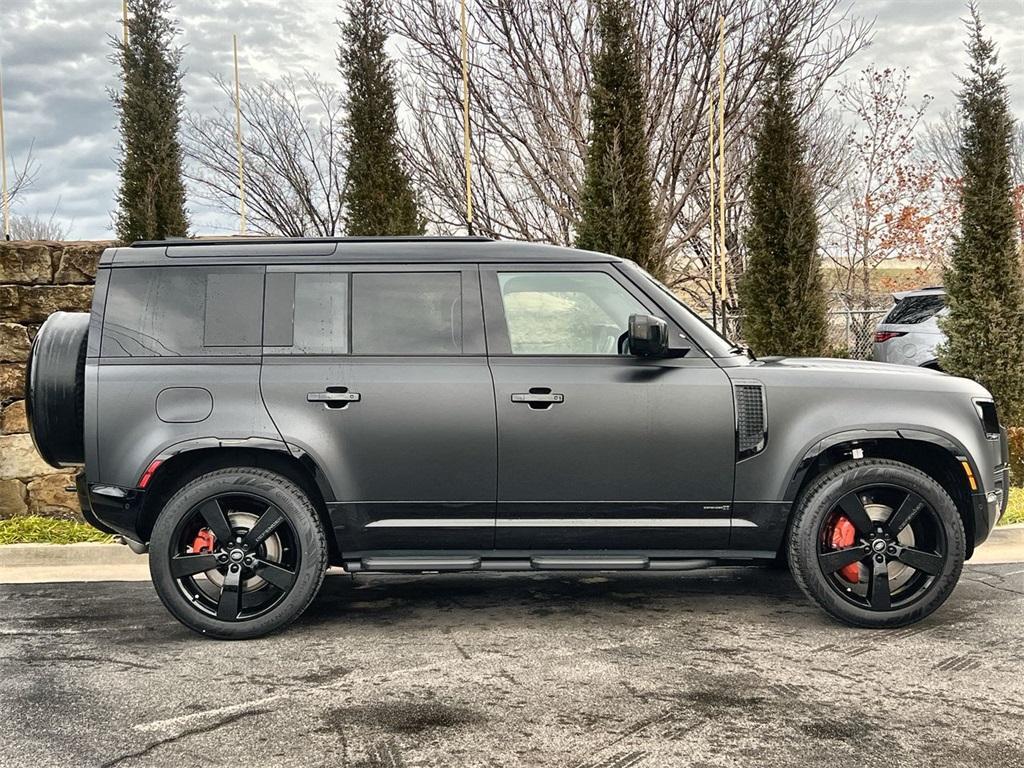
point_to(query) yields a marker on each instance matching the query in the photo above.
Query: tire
(922, 551)
(55, 388)
(289, 573)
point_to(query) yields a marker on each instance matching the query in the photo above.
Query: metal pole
(124, 21)
(711, 207)
(238, 142)
(721, 161)
(3, 164)
(464, 50)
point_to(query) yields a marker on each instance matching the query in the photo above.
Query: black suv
(252, 411)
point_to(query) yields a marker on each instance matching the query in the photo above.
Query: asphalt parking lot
(721, 668)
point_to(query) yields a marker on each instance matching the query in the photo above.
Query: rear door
(379, 374)
(600, 450)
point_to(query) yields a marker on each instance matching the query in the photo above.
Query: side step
(587, 563)
(390, 564)
(416, 564)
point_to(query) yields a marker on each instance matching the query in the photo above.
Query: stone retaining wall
(36, 278)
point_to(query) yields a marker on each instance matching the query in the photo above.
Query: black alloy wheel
(238, 553)
(876, 543)
(236, 556)
(899, 548)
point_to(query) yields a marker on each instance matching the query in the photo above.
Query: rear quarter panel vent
(751, 418)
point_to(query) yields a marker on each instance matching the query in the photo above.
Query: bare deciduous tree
(530, 69)
(889, 207)
(35, 227)
(294, 156)
(21, 177)
(940, 143)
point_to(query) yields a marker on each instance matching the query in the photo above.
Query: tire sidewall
(821, 499)
(300, 515)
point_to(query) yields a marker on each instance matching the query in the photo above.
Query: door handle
(334, 399)
(537, 399)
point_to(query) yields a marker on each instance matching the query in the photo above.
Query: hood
(828, 373)
(839, 365)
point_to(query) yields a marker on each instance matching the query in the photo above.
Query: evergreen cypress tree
(781, 291)
(151, 197)
(985, 325)
(379, 196)
(616, 211)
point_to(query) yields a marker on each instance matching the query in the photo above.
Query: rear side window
(916, 309)
(183, 311)
(364, 313)
(407, 313)
(321, 313)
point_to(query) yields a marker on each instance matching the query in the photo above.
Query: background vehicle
(910, 334)
(252, 410)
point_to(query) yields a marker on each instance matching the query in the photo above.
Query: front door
(600, 450)
(379, 374)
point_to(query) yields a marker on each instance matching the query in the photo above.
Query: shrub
(1016, 439)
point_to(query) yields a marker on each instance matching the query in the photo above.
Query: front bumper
(110, 508)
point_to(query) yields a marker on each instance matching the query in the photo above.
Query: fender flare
(823, 443)
(252, 443)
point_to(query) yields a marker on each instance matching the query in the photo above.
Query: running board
(416, 564)
(588, 563)
(387, 564)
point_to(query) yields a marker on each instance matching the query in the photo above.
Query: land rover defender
(251, 411)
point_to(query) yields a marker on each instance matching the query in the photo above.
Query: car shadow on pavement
(510, 597)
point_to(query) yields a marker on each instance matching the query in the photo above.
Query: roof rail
(245, 240)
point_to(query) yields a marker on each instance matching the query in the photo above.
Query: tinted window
(565, 313)
(407, 313)
(321, 313)
(916, 309)
(157, 312)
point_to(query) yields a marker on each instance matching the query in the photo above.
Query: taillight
(881, 336)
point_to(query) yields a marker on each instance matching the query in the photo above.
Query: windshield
(713, 343)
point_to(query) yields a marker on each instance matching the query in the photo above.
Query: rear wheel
(877, 543)
(238, 553)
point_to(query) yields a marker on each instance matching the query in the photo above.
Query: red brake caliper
(844, 535)
(204, 542)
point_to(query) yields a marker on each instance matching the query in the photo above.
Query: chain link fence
(851, 332)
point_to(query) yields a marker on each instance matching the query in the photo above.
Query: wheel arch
(198, 458)
(938, 456)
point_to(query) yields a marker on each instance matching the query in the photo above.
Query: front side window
(183, 311)
(565, 313)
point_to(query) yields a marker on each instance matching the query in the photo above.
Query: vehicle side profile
(251, 411)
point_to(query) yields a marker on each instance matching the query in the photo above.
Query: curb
(1005, 545)
(58, 555)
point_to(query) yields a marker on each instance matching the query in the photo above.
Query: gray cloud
(57, 72)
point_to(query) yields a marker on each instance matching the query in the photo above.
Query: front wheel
(877, 543)
(238, 553)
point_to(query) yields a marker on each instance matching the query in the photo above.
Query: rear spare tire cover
(55, 388)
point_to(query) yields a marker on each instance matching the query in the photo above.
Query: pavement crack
(183, 735)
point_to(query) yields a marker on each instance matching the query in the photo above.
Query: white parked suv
(910, 333)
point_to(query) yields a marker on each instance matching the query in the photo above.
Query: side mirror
(648, 336)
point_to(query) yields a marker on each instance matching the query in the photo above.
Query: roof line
(184, 241)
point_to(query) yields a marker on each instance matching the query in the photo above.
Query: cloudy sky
(56, 70)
